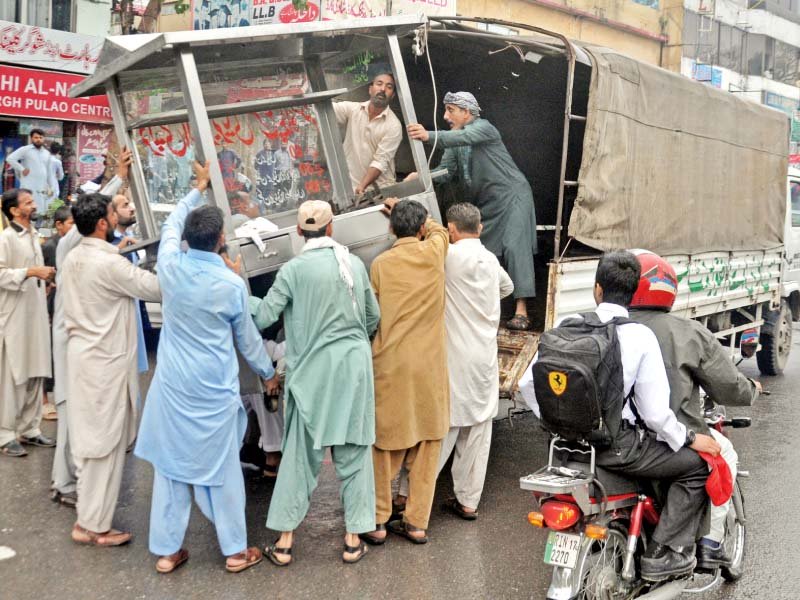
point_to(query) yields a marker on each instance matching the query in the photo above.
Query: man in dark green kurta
(475, 155)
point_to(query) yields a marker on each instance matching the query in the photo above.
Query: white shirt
(41, 179)
(474, 284)
(643, 369)
(369, 143)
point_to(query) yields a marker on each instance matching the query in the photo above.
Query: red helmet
(658, 283)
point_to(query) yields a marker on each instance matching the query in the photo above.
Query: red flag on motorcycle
(719, 484)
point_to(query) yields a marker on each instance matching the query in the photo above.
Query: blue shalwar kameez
(194, 422)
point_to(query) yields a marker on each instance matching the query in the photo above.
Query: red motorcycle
(600, 523)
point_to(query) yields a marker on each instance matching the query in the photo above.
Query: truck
(619, 154)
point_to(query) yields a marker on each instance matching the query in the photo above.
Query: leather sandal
(359, 551)
(172, 562)
(373, 540)
(452, 505)
(519, 323)
(108, 539)
(251, 556)
(405, 530)
(274, 549)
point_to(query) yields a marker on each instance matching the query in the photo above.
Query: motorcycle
(600, 524)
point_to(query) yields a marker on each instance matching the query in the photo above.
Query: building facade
(38, 66)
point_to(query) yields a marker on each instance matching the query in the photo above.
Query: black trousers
(639, 454)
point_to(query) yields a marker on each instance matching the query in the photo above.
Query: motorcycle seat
(613, 483)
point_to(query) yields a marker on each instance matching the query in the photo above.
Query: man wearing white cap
(475, 156)
(329, 313)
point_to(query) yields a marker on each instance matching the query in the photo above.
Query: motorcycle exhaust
(668, 591)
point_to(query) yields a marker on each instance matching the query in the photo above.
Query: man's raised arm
(172, 230)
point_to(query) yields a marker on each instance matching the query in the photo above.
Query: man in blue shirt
(194, 420)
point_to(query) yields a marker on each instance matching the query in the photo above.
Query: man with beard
(24, 335)
(476, 157)
(34, 167)
(99, 288)
(373, 132)
(126, 218)
(64, 476)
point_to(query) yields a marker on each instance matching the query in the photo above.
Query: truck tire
(775, 346)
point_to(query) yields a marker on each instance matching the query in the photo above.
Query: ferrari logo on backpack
(558, 382)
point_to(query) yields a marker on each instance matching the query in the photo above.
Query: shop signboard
(335, 10)
(48, 48)
(53, 130)
(93, 142)
(213, 14)
(44, 95)
(432, 8)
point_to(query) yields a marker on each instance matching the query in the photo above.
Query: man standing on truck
(650, 444)
(475, 155)
(373, 132)
(693, 357)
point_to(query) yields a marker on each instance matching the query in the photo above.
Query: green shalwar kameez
(477, 157)
(330, 400)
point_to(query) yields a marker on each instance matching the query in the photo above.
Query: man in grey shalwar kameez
(475, 155)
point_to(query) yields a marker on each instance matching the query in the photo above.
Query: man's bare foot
(354, 548)
(167, 564)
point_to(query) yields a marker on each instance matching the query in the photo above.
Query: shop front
(38, 67)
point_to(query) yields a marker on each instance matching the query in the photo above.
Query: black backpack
(578, 379)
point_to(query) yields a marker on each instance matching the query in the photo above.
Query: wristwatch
(690, 437)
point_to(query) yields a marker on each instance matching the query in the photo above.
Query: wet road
(497, 556)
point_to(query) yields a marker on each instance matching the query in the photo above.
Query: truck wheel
(775, 347)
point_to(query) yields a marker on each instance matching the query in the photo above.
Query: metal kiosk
(257, 103)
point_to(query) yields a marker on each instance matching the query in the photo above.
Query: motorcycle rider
(661, 448)
(693, 358)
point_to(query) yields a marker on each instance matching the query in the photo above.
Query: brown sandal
(519, 323)
(173, 561)
(251, 556)
(108, 539)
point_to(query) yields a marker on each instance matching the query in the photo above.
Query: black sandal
(404, 529)
(454, 506)
(372, 540)
(274, 549)
(361, 550)
(519, 323)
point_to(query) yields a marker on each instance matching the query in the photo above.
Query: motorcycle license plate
(562, 549)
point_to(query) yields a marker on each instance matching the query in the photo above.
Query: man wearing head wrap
(373, 132)
(329, 311)
(475, 156)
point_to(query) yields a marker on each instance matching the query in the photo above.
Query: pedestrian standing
(24, 326)
(329, 313)
(474, 284)
(99, 287)
(64, 475)
(33, 165)
(194, 421)
(412, 399)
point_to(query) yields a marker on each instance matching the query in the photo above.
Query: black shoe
(69, 499)
(662, 562)
(709, 558)
(39, 440)
(13, 448)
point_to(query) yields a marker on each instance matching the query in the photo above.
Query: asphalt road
(497, 556)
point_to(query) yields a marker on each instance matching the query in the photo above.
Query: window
(755, 51)
(166, 155)
(794, 191)
(271, 161)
